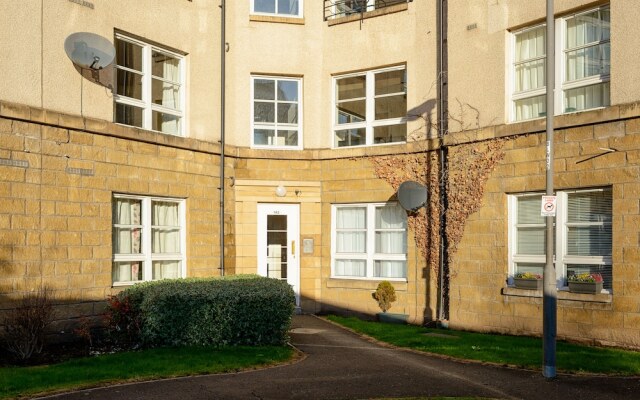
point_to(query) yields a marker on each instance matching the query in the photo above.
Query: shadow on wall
(424, 112)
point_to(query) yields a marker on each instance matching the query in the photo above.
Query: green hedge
(238, 310)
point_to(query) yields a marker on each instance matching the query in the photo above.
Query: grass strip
(518, 351)
(135, 366)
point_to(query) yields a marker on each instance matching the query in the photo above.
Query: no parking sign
(549, 204)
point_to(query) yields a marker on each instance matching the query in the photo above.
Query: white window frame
(370, 122)
(560, 64)
(370, 256)
(560, 229)
(275, 125)
(146, 257)
(279, 14)
(146, 103)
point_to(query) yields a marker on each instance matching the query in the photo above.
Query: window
(369, 241)
(148, 239)
(285, 8)
(149, 86)
(276, 113)
(582, 67)
(343, 8)
(370, 107)
(582, 234)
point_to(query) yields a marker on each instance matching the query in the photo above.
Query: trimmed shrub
(239, 310)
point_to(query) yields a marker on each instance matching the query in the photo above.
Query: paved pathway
(341, 365)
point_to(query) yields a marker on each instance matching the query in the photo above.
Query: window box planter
(585, 287)
(530, 284)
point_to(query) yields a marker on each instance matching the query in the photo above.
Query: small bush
(239, 310)
(123, 320)
(385, 294)
(25, 326)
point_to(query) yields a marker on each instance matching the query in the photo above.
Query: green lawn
(519, 351)
(135, 366)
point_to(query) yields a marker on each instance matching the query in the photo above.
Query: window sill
(369, 14)
(604, 298)
(277, 19)
(400, 284)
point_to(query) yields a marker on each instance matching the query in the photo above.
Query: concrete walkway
(342, 365)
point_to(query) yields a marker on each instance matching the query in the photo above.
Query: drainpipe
(443, 305)
(223, 52)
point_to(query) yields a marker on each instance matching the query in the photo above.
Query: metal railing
(344, 8)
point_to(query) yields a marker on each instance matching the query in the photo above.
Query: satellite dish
(88, 50)
(412, 195)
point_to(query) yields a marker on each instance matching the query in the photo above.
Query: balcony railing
(343, 8)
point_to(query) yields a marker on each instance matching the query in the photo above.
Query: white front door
(278, 238)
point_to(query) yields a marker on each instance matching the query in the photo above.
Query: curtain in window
(531, 236)
(127, 271)
(530, 72)
(351, 225)
(533, 107)
(589, 223)
(127, 238)
(588, 54)
(126, 235)
(351, 268)
(586, 97)
(530, 64)
(390, 230)
(390, 269)
(165, 227)
(165, 91)
(590, 34)
(166, 270)
(171, 94)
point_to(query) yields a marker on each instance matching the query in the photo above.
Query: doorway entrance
(278, 238)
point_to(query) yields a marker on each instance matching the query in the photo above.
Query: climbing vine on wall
(469, 167)
(425, 223)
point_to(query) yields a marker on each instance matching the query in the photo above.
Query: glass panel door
(277, 243)
(277, 246)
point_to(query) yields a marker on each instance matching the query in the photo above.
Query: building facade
(112, 177)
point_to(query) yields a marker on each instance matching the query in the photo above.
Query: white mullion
(560, 64)
(370, 106)
(510, 88)
(371, 238)
(512, 214)
(586, 81)
(147, 272)
(183, 238)
(146, 86)
(561, 231)
(129, 101)
(527, 94)
(275, 101)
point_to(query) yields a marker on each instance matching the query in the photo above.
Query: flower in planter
(586, 278)
(528, 275)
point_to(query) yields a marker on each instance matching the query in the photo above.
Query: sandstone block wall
(58, 174)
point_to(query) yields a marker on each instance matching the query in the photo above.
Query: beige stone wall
(321, 183)
(38, 73)
(306, 193)
(480, 299)
(479, 45)
(353, 180)
(57, 179)
(315, 50)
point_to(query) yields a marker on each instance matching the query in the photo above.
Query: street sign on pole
(550, 290)
(548, 206)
